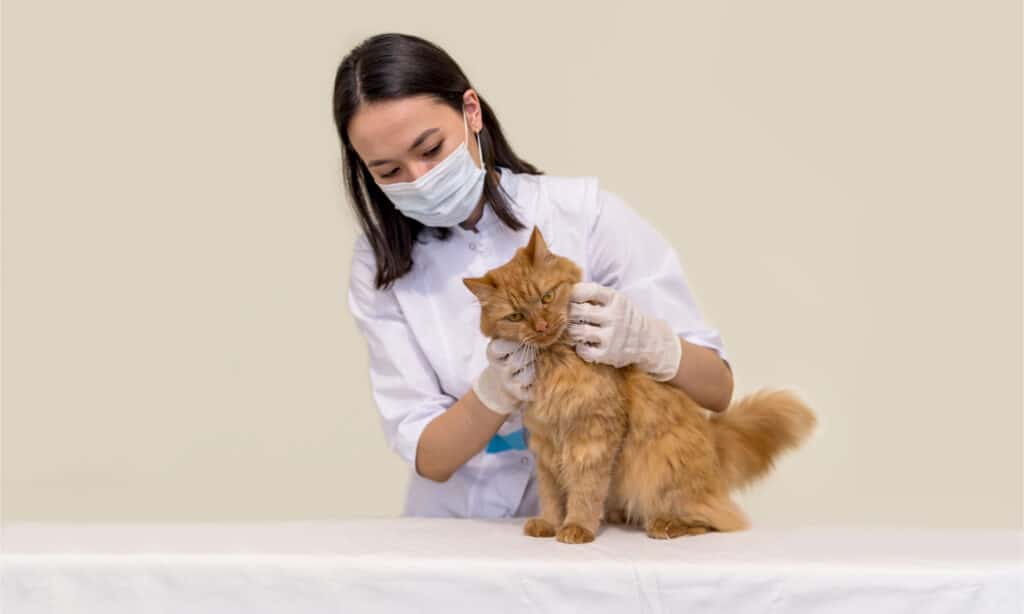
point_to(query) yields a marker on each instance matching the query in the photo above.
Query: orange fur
(613, 444)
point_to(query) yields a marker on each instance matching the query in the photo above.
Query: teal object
(502, 443)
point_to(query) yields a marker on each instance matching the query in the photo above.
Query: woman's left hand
(609, 328)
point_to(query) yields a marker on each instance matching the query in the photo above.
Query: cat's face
(527, 298)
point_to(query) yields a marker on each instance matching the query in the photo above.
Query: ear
(537, 249)
(481, 287)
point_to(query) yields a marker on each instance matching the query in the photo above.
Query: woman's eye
(548, 296)
(390, 173)
(514, 317)
(436, 149)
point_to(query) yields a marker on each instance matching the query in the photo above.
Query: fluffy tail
(755, 430)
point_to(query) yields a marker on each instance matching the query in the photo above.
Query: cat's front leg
(550, 493)
(587, 462)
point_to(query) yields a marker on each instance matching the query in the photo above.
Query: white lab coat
(423, 333)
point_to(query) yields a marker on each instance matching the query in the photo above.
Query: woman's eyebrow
(419, 140)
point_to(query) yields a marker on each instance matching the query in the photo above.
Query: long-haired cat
(615, 444)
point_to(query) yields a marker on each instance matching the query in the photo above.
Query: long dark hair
(389, 66)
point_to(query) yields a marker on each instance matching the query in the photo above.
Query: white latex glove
(614, 332)
(505, 385)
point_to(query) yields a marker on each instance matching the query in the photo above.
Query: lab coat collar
(509, 183)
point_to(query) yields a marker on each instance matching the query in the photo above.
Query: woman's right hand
(506, 384)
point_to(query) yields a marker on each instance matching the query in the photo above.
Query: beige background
(842, 181)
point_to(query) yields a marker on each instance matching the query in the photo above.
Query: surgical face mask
(447, 194)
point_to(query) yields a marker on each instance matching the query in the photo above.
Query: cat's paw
(670, 528)
(538, 527)
(574, 534)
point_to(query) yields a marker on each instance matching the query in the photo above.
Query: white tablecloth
(487, 566)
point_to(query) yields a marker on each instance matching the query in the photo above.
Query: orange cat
(614, 444)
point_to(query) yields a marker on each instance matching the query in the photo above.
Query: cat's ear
(537, 249)
(481, 287)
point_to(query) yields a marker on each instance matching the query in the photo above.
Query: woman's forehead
(387, 128)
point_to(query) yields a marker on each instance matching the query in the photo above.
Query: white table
(487, 566)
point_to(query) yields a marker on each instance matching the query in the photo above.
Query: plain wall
(842, 182)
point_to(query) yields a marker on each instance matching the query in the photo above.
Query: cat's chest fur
(567, 388)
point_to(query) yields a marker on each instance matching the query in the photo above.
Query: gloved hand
(505, 385)
(614, 332)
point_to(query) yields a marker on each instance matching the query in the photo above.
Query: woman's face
(400, 140)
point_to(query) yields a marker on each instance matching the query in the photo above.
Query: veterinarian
(440, 195)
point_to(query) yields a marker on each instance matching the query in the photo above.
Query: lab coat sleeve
(404, 385)
(627, 253)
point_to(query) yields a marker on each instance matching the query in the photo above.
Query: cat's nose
(540, 326)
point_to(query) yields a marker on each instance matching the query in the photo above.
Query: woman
(437, 205)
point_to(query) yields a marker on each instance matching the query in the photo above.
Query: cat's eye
(548, 296)
(514, 317)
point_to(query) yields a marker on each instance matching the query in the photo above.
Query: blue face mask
(447, 194)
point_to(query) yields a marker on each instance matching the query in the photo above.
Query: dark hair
(390, 66)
